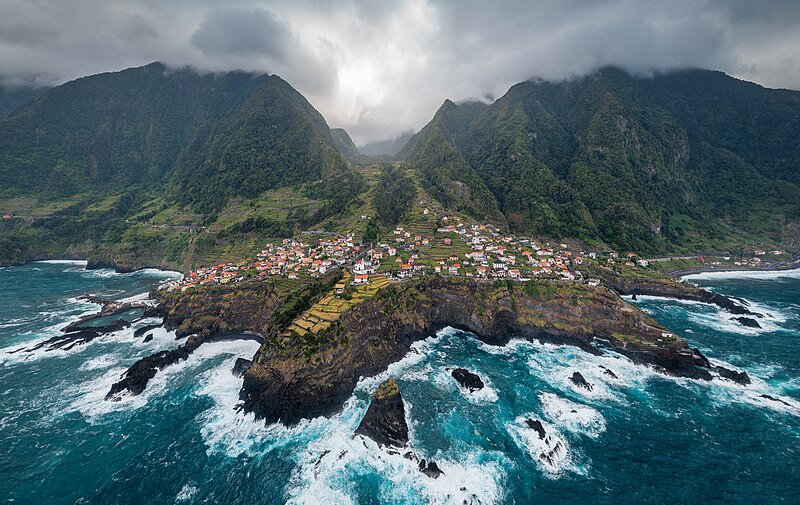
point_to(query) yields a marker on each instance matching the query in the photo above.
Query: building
(359, 279)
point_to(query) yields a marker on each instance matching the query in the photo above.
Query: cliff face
(261, 307)
(667, 288)
(308, 379)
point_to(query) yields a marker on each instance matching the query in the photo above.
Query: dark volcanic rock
(385, 420)
(739, 377)
(609, 372)
(536, 425)
(699, 358)
(144, 329)
(668, 289)
(241, 366)
(285, 385)
(578, 380)
(135, 378)
(78, 335)
(430, 469)
(747, 321)
(772, 398)
(147, 338)
(468, 380)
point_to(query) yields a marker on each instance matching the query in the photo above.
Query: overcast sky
(380, 67)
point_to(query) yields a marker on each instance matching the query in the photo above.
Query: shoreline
(110, 266)
(90, 264)
(685, 272)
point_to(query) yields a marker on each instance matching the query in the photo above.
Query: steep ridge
(444, 171)
(678, 160)
(101, 154)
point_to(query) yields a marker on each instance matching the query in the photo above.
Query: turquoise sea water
(640, 438)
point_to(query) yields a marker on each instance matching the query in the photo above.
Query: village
(454, 247)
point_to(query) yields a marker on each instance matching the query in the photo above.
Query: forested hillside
(13, 98)
(686, 160)
(87, 161)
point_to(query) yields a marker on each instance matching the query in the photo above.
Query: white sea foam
(551, 453)
(327, 469)
(418, 352)
(746, 274)
(725, 392)
(100, 362)
(572, 416)
(711, 316)
(186, 493)
(556, 365)
(61, 262)
(13, 323)
(89, 397)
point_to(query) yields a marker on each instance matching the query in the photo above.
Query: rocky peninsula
(295, 376)
(293, 380)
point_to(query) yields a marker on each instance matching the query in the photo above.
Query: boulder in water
(609, 372)
(579, 381)
(147, 338)
(738, 377)
(536, 425)
(467, 379)
(430, 469)
(747, 321)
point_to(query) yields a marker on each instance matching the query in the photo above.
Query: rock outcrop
(135, 379)
(537, 426)
(385, 420)
(430, 469)
(738, 377)
(609, 372)
(144, 329)
(291, 381)
(76, 335)
(637, 286)
(777, 400)
(468, 380)
(578, 379)
(747, 321)
(241, 366)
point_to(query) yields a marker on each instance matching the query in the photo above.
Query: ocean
(641, 437)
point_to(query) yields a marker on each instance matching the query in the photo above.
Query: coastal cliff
(305, 378)
(667, 288)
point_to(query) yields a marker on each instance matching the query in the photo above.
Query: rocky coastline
(648, 286)
(288, 383)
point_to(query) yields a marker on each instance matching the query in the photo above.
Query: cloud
(378, 68)
(243, 32)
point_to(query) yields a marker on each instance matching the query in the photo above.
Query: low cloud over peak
(381, 68)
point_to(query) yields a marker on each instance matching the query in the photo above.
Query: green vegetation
(394, 195)
(646, 165)
(149, 166)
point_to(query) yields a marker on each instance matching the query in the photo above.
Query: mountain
(13, 97)
(343, 142)
(684, 160)
(388, 147)
(167, 143)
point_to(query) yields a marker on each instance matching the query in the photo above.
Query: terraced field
(330, 308)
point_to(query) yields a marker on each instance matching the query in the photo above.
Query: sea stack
(385, 420)
(468, 380)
